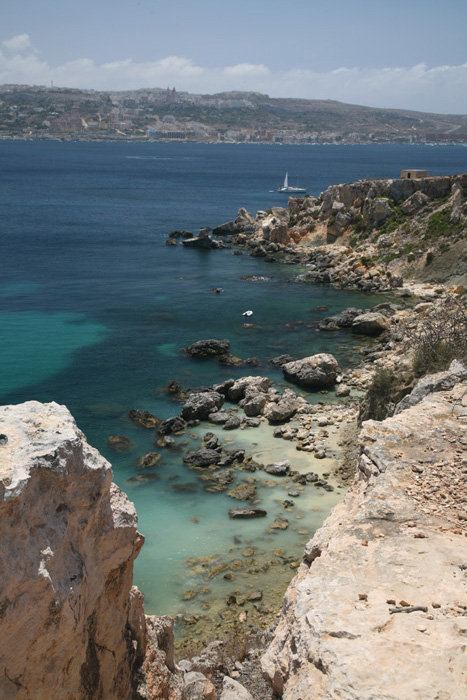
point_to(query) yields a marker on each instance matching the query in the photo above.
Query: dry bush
(439, 337)
(383, 394)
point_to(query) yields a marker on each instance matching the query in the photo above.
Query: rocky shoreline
(383, 579)
(374, 235)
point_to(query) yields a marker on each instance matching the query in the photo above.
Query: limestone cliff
(72, 626)
(378, 609)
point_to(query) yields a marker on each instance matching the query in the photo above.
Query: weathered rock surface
(372, 323)
(314, 371)
(282, 410)
(203, 240)
(71, 624)
(244, 221)
(198, 687)
(202, 458)
(199, 406)
(255, 384)
(232, 690)
(378, 608)
(278, 468)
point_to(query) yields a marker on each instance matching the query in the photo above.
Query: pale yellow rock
(337, 637)
(71, 625)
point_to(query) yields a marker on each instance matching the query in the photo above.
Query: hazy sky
(402, 53)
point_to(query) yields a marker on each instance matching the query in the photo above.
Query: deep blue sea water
(94, 307)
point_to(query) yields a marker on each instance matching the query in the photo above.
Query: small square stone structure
(411, 174)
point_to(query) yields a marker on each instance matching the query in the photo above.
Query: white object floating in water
(247, 313)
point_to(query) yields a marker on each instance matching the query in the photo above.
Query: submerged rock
(143, 418)
(149, 459)
(119, 443)
(247, 512)
(243, 492)
(280, 360)
(208, 348)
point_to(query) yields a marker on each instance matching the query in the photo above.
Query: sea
(95, 310)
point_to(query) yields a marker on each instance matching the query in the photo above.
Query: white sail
(286, 181)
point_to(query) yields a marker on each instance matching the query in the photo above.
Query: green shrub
(384, 392)
(440, 224)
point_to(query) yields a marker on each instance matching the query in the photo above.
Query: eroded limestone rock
(378, 608)
(71, 624)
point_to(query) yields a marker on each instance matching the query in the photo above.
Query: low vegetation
(384, 392)
(440, 338)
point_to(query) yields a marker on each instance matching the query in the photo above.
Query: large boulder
(238, 389)
(278, 468)
(254, 405)
(379, 210)
(282, 410)
(414, 203)
(208, 348)
(343, 319)
(314, 371)
(199, 406)
(372, 323)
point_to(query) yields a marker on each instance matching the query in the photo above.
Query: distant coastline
(158, 115)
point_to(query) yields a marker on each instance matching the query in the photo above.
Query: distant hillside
(157, 114)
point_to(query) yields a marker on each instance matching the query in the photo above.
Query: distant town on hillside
(156, 114)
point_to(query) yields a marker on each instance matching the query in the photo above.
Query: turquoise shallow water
(94, 309)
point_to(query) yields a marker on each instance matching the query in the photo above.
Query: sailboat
(289, 189)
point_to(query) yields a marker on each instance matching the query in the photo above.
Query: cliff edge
(378, 608)
(72, 624)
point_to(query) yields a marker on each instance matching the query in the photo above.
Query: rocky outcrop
(203, 240)
(243, 222)
(378, 608)
(71, 624)
(370, 234)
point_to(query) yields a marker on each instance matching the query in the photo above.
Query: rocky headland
(373, 235)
